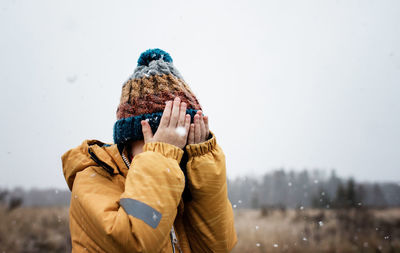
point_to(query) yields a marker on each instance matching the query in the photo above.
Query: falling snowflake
(71, 79)
(304, 239)
(289, 184)
(181, 131)
(240, 201)
(276, 245)
(257, 227)
(234, 206)
(258, 244)
(155, 217)
(320, 223)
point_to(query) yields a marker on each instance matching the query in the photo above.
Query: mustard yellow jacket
(119, 209)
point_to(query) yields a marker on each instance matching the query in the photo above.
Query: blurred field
(31, 230)
(355, 230)
(268, 230)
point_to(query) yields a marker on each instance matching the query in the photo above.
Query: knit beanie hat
(154, 82)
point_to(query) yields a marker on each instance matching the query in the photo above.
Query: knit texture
(154, 82)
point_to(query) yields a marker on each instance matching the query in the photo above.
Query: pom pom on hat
(151, 55)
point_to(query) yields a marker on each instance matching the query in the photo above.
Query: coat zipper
(126, 161)
(174, 241)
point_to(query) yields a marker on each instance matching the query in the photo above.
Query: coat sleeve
(139, 217)
(209, 214)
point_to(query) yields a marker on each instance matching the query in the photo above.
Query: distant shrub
(14, 203)
(3, 195)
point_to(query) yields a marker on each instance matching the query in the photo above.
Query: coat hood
(92, 153)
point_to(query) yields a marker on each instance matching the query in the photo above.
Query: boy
(165, 192)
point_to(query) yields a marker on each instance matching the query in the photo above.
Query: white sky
(298, 84)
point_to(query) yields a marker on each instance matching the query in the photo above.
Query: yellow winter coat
(119, 209)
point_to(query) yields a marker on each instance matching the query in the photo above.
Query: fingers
(182, 113)
(175, 112)
(187, 122)
(206, 126)
(147, 133)
(197, 129)
(191, 134)
(202, 129)
(164, 122)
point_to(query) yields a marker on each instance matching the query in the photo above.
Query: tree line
(310, 189)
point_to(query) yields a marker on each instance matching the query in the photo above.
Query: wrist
(166, 149)
(203, 147)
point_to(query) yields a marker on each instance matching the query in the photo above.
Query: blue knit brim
(130, 129)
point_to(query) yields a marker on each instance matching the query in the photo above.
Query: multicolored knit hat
(154, 82)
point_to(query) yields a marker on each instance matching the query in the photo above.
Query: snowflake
(155, 217)
(181, 131)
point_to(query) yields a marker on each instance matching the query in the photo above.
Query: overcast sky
(293, 84)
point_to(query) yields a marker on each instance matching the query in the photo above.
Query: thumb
(146, 129)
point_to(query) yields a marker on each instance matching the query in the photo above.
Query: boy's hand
(198, 131)
(174, 125)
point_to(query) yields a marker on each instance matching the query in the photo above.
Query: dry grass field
(46, 230)
(318, 230)
(31, 230)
